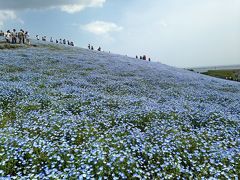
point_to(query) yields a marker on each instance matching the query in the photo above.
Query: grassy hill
(73, 113)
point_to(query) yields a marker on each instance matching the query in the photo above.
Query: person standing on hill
(1, 33)
(149, 59)
(37, 36)
(27, 37)
(92, 48)
(99, 49)
(14, 36)
(23, 36)
(20, 36)
(144, 57)
(44, 38)
(89, 46)
(8, 37)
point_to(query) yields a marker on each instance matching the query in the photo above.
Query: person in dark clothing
(1, 33)
(136, 57)
(149, 59)
(144, 57)
(44, 38)
(56, 41)
(89, 46)
(23, 38)
(64, 41)
(92, 48)
(141, 57)
(99, 49)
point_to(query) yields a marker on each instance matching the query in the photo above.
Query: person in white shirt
(8, 36)
(27, 37)
(14, 36)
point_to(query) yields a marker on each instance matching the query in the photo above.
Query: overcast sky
(181, 33)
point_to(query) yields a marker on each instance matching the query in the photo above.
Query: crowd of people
(22, 37)
(144, 57)
(14, 36)
(92, 48)
(57, 41)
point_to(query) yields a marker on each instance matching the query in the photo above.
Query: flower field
(71, 113)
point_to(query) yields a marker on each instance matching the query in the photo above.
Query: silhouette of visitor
(144, 57)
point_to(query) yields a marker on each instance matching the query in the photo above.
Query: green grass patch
(10, 46)
(13, 69)
(224, 74)
(7, 117)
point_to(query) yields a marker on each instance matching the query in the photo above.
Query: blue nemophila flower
(71, 113)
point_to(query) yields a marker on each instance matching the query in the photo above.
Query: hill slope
(70, 112)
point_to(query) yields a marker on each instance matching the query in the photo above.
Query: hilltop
(68, 112)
